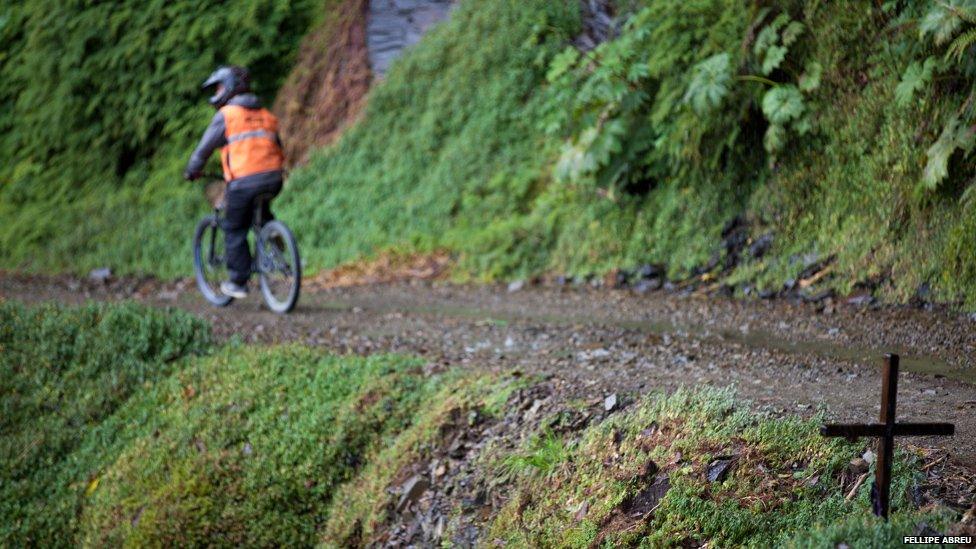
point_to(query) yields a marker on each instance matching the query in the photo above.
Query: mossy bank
(125, 425)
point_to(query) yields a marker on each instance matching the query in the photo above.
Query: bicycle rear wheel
(279, 266)
(210, 260)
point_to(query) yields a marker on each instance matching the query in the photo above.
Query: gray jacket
(214, 138)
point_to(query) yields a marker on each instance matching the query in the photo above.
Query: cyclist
(252, 159)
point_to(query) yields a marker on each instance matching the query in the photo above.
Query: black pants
(240, 202)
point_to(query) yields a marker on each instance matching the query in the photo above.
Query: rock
(649, 285)
(819, 296)
(868, 457)
(516, 286)
(719, 468)
(580, 513)
(761, 245)
(168, 295)
(858, 466)
(648, 499)
(649, 271)
(610, 403)
(411, 490)
(101, 276)
(865, 300)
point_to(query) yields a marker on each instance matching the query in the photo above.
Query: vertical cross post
(886, 431)
(886, 442)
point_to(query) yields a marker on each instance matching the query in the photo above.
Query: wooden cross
(886, 431)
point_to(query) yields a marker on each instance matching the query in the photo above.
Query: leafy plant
(917, 76)
(709, 83)
(774, 41)
(955, 136)
(784, 107)
(944, 19)
(543, 453)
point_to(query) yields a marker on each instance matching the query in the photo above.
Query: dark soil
(327, 88)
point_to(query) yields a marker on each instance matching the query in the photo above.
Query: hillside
(748, 148)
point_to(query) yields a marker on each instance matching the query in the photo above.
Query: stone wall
(393, 25)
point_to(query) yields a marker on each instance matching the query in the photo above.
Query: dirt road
(784, 358)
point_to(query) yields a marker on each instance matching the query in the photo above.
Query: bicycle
(276, 258)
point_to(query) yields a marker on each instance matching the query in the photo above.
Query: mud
(327, 87)
(784, 358)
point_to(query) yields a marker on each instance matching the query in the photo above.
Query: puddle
(761, 339)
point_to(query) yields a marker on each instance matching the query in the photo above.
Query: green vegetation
(101, 108)
(112, 432)
(122, 425)
(842, 129)
(64, 376)
(249, 447)
(782, 488)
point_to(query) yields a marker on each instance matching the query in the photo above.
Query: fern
(955, 135)
(916, 77)
(783, 104)
(958, 47)
(944, 19)
(774, 139)
(773, 42)
(810, 79)
(709, 83)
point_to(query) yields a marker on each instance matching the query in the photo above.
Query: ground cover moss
(640, 478)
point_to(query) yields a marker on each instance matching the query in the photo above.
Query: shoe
(231, 289)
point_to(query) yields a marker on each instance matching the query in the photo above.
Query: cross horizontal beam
(881, 430)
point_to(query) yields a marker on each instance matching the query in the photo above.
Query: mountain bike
(276, 259)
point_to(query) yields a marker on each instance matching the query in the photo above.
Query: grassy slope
(122, 425)
(461, 146)
(112, 431)
(457, 150)
(782, 490)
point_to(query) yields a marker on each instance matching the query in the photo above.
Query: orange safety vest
(252, 145)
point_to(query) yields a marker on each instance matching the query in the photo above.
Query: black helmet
(236, 80)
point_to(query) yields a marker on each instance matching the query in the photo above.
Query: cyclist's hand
(191, 176)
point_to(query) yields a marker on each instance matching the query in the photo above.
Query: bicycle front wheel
(279, 266)
(210, 260)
